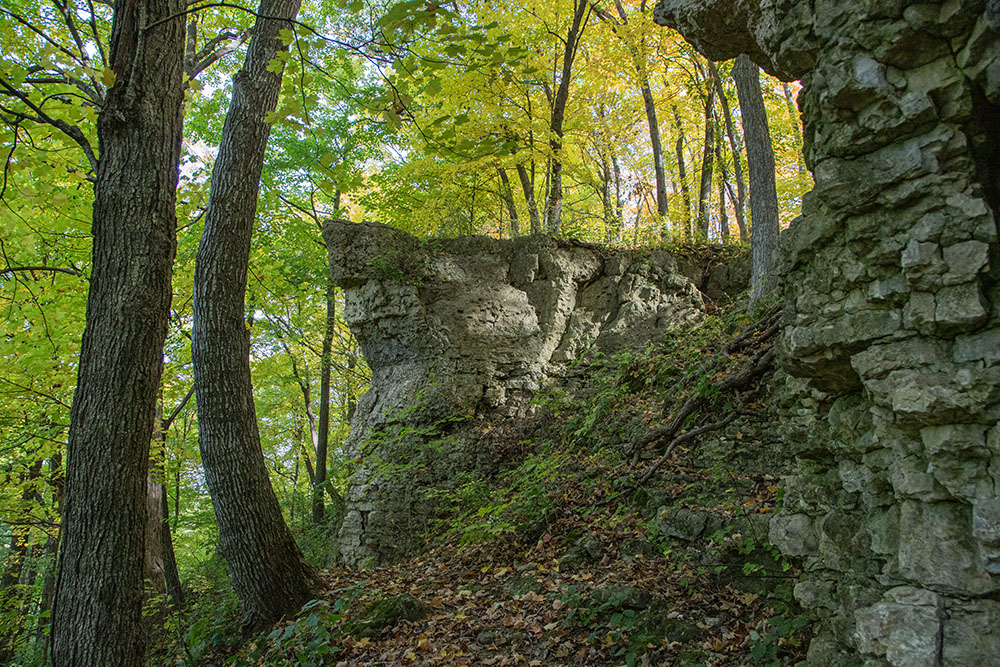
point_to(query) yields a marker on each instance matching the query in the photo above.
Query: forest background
(442, 119)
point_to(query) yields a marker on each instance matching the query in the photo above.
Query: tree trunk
(793, 111)
(763, 193)
(529, 197)
(508, 198)
(638, 61)
(160, 562)
(323, 435)
(553, 202)
(707, 169)
(723, 177)
(97, 616)
(682, 172)
(16, 568)
(662, 203)
(268, 572)
(741, 188)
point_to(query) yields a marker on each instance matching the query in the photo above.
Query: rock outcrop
(470, 328)
(893, 317)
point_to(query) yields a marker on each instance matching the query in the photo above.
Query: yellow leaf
(108, 77)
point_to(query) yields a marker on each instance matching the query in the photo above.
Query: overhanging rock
(470, 328)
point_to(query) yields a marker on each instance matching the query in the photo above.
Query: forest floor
(566, 559)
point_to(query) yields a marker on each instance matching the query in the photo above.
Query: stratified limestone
(470, 328)
(892, 317)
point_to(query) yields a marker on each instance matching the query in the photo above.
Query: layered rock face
(893, 317)
(468, 329)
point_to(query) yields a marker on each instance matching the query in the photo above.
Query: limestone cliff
(470, 328)
(892, 317)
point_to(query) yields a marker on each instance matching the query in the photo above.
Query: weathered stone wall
(473, 326)
(893, 317)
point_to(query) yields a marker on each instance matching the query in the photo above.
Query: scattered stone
(632, 548)
(621, 597)
(680, 523)
(383, 614)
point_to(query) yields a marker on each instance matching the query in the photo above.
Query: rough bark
(268, 572)
(763, 193)
(740, 200)
(508, 199)
(553, 202)
(97, 612)
(529, 198)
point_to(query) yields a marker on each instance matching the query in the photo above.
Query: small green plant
(309, 641)
(766, 647)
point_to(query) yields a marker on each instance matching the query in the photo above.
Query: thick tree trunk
(97, 616)
(682, 173)
(553, 202)
(529, 196)
(323, 434)
(268, 572)
(508, 199)
(763, 193)
(734, 146)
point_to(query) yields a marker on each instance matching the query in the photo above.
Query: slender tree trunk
(707, 169)
(638, 61)
(97, 616)
(723, 177)
(763, 193)
(323, 435)
(268, 572)
(682, 173)
(553, 202)
(16, 568)
(793, 111)
(741, 188)
(508, 198)
(529, 196)
(160, 562)
(48, 591)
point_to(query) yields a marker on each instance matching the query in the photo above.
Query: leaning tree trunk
(763, 193)
(97, 617)
(269, 574)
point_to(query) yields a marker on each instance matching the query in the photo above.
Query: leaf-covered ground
(565, 561)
